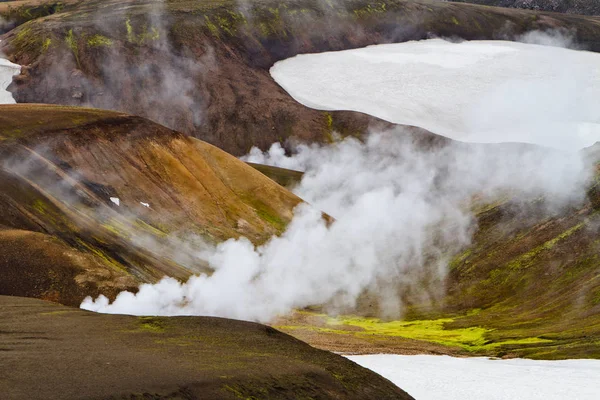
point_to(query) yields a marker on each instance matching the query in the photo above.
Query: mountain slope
(64, 169)
(582, 7)
(109, 356)
(202, 67)
(527, 286)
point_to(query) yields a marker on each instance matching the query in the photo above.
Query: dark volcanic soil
(49, 351)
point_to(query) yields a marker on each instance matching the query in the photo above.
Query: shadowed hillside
(64, 169)
(123, 357)
(202, 67)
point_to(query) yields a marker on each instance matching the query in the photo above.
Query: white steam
(400, 212)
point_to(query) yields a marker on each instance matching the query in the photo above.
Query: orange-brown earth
(62, 238)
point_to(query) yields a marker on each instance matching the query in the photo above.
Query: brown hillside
(60, 168)
(50, 351)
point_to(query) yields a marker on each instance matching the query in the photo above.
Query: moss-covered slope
(61, 172)
(201, 67)
(528, 286)
(51, 351)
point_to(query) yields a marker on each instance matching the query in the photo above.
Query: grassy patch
(99, 41)
(525, 260)
(71, 41)
(471, 338)
(145, 35)
(46, 44)
(151, 324)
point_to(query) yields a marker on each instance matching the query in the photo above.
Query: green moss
(129, 29)
(160, 231)
(523, 341)
(328, 133)
(109, 261)
(39, 206)
(28, 39)
(370, 9)
(211, 27)
(525, 260)
(71, 41)
(47, 43)
(455, 21)
(99, 41)
(144, 36)
(595, 298)
(458, 260)
(268, 216)
(471, 338)
(151, 324)
(23, 33)
(117, 227)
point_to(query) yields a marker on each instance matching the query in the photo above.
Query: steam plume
(400, 212)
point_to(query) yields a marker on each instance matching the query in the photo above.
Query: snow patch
(442, 377)
(7, 71)
(147, 205)
(478, 91)
(116, 200)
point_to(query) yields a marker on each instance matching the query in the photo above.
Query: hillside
(123, 357)
(202, 67)
(65, 169)
(582, 7)
(527, 286)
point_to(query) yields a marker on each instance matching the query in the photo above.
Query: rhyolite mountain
(202, 67)
(528, 285)
(62, 171)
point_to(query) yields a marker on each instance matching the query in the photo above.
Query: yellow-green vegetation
(47, 43)
(459, 259)
(211, 27)
(525, 260)
(152, 324)
(99, 41)
(27, 38)
(144, 36)
(71, 41)
(370, 9)
(118, 227)
(329, 137)
(430, 330)
(473, 339)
